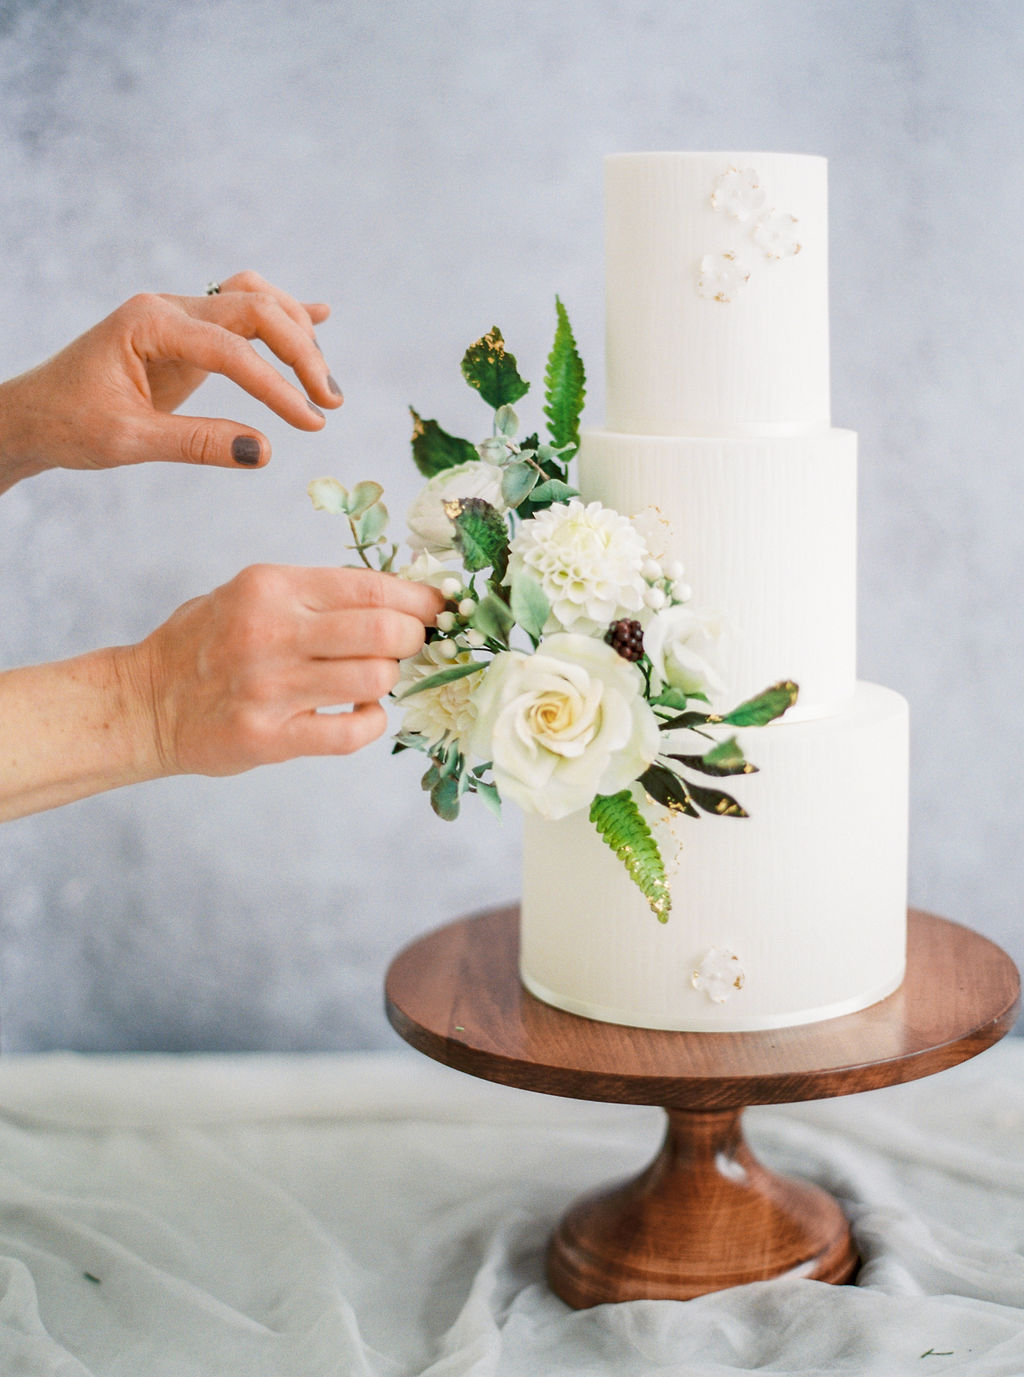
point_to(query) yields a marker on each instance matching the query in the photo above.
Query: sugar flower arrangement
(565, 671)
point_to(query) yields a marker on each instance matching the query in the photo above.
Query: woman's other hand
(107, 398)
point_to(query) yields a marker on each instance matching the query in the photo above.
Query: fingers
(248, 281)
(284, 326)
(201, 440)
(326, 590)
(336, 733)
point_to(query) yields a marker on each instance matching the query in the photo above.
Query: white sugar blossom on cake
(720, 974)
(443, 714)
(739, 193)
(429, 528)
(563, 724)
(722, 276)
(677, 641)
(589, 560)
(777, 235)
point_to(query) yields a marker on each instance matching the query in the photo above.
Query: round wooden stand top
(455, 995)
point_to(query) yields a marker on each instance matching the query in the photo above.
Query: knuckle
(247, 281)
(199, 445)
(382, 676)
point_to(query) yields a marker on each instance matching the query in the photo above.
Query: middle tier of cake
(766, 530)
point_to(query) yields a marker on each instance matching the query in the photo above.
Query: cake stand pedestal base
(705, 1214)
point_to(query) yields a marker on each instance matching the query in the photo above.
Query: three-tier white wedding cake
(718, 416)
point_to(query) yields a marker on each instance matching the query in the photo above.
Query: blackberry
(626, 638)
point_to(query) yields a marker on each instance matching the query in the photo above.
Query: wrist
(19, 456)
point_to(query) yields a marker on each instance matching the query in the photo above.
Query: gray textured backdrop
(431, 169)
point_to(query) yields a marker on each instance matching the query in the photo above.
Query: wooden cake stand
(705, 1214)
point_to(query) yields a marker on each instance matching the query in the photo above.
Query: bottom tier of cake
(793, 914)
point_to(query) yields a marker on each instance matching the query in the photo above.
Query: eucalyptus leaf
(444, 798)
(491, 797)
(517, 482)
(493, 618)
(442, 677)
(491, 369)
(362, 496)
(371, 525)
(434, 450)
(553, 490)
(506, 422)
(688, 721)
(530, 605)
(765, 707)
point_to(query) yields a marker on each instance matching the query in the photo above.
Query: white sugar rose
(676, 640)
(563, 725)
(429, 528)
(443, 714)
(589, 561)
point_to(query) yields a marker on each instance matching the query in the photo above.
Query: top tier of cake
(717, 294)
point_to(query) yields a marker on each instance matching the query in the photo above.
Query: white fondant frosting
(810, 888)
(677, 362)
(718, 415)
(766, 531)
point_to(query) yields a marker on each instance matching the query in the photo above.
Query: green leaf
(371, 525)
(444, 797)
(714, 801)
(772, 703)
(670, 697)
(491, 797)
(564, 384)
(434, 450)
(489, 368)
(517, 482)
(621, 825)
(362, 496)
(666, 788)
(724, 759)
(506, 422)
(530, 605)
(688, 721)
(553, 490)
(493, 618)
(481, 534)
(443, 676)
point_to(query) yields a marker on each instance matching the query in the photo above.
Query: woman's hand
(237, 678)
(106, 399)
(232, 680)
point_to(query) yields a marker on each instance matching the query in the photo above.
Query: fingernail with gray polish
(245, 449)
(332, 386)
(314, 408)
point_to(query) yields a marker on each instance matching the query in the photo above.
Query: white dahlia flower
(563, 725)
(589, 561)
(443, 714)
(429, 528)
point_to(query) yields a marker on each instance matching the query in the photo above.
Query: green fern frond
(564, 384)
(622, 826)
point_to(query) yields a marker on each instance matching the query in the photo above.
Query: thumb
(204, 440)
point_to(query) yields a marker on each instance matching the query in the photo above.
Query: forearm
(71, 729)
(19, 451)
